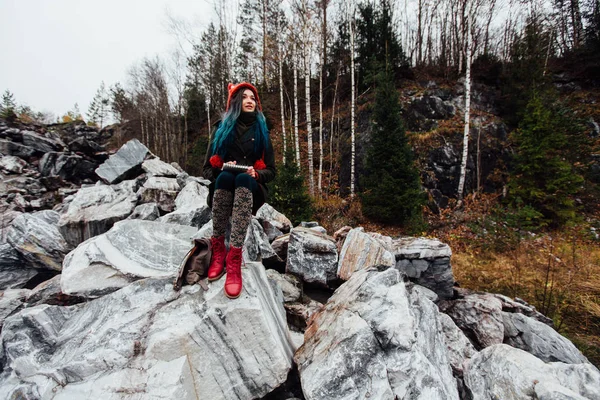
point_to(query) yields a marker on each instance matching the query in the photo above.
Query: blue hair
(225, 133)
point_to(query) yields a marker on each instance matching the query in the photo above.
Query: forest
(339, 80)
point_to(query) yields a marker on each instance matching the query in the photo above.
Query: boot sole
(217, 277)
(232, 297)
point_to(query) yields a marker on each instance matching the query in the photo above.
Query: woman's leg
(221, 210)
(222, 202)
(241, 216)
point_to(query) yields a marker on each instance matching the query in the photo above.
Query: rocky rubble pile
(349, 316)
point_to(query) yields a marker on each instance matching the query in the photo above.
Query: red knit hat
(233, 89)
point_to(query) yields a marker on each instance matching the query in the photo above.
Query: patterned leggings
(233, 197)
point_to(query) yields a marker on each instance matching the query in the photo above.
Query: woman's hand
(231, 162)
(252, 172)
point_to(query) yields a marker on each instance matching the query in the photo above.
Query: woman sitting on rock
(240, 138)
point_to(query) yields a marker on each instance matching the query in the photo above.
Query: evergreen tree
(99, 107)
(391, 186)
(542, 177)
(524, 74)
(377, 42)
(8, 105)
(288, 192)
(121, 104)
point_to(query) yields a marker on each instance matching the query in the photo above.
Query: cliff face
(433, 114)
(88, 308)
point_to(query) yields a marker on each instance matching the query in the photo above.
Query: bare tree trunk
(478, 159)
(577, 24)
(352, 105)
(296, 107)
(420, 32)
(281, 92)
(465, 154)
(186, 138)
(142, 129)
(331, 158)
(321, 127)
(264, 42)
(311, 174)
(487, 26)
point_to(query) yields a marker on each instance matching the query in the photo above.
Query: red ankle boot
(233, 283)
(217, 261)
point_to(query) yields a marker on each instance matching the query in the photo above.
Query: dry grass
(558, 273)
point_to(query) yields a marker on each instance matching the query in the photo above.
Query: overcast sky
(55, 53)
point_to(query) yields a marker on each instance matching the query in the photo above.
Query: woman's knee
(225, 180)
(245, 180)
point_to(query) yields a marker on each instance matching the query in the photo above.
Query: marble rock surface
(460, 349)
(157, 167)
(147, 341)
(164, 199)
(504, 372)
(427, 262)
(162, 183)
(10, 301)
(290, 285)
(479, 316)
(539, 339)
(125, 163)
(40, 143)
(94, 209)
(14, 273)
(280, 246)
(12, 164)
(148, 212)
(11, 148)
(256, 243)
(361, 251)
(374, 339)
(191, 207)
(267, 213)
(37, 238)
(312, 256)
(131, 250)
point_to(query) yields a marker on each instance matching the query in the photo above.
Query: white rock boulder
(147, 341)
(131, 250)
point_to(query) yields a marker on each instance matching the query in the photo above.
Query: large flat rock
(361, 251)
(94, 209)
(37, 238)
(503, 372)
(147, 341)
(427, 262)
(312, 256)
(374, 339)
(126, 163)
(131, 250)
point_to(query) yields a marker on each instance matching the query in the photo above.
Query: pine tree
(288, 191)
(99, 107)
(542, 177)
(391, 186)
(377, 40)
(8, 105)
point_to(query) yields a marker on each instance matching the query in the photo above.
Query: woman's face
(248, 101)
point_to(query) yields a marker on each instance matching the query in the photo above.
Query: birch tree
(465, 153)
(351, 31)
(296, 135)
(280, 62)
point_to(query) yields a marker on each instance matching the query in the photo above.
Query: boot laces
(236, 260)
(218, 248)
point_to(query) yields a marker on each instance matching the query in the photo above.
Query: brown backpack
(194, 267)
